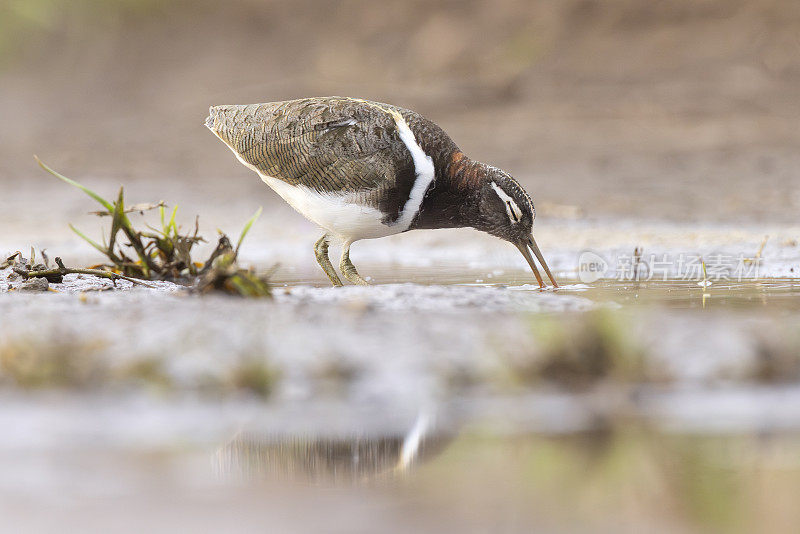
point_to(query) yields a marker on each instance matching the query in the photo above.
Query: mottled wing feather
(328, 144)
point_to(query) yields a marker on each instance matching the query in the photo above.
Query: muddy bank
(393, 342)
(377, 406)
(443, 404)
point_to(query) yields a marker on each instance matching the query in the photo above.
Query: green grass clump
(146, 371)
(165, 253)
(32, 363)
(580, 353)
(255, 376)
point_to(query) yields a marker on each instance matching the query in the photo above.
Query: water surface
(438, 398)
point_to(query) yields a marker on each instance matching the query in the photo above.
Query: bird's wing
(330, 144)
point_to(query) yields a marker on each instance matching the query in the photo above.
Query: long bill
(523, 248)
(538, 253)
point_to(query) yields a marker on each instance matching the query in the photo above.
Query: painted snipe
(362, 170)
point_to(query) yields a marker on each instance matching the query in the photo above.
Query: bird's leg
(321, 251)
(348, 269)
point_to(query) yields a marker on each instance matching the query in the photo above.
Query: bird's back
(327, 143)
(338, 159)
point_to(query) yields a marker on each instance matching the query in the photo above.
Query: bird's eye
(514, 213)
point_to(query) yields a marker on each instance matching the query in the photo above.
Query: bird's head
(506, 211)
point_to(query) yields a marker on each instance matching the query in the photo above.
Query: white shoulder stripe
(423, 167)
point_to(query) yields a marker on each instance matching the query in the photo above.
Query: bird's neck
(453, 200)
(466, 174)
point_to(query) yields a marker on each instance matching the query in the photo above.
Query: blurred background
(451, 403)
(596, 106)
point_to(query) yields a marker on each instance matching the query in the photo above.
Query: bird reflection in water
(331, 459)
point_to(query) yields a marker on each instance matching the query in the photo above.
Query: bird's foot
(321, 252)
(349, 270)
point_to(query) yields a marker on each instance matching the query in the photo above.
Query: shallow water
(776, 293)
(439, 398)
(476, 477)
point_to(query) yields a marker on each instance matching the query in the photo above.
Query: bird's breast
(347, 215)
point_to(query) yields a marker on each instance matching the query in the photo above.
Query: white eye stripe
(514, 213)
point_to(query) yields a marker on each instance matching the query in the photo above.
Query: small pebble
(35, 284)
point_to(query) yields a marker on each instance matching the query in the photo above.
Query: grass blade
(116, 221)
(171, 225)
(90, 241)
(246, 229)
(106, 204)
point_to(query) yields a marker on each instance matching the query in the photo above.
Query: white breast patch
(339, 213)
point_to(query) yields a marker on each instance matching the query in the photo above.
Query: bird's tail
(229, 122)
